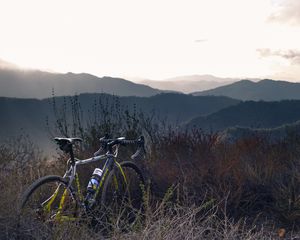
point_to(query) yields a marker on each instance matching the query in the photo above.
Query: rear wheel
(122, 196)
(48, 200)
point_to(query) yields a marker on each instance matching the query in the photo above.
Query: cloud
(287, 12)
(201, 40)
(292, 55)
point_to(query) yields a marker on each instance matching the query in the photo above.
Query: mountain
(250, 114)
(175, 107)
(267, 90)
(24, 116)
(30, 115)
(273, 135)
(205, 77)
(38, 84)
(188, 84)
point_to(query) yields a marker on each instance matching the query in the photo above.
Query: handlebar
(108, 144)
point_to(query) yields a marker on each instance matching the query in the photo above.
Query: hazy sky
(154, 38)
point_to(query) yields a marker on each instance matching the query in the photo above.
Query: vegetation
(250, 114)
(200, 187)
(31, 114)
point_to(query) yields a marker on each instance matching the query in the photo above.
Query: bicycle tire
(35, 203)
(123, 206)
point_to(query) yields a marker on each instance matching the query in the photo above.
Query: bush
(201, 187)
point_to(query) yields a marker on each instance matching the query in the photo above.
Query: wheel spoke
(122, 200)
(48, 200)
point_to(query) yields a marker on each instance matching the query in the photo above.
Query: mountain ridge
(272, 135)
(40, 84)
(188, 83)
(31, 115)
(253, 114)
(266, 89)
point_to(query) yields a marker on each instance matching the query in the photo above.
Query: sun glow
(153, 39)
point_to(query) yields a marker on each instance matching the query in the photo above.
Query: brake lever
(141, 151)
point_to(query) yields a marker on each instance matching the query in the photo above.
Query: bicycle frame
(71, 174)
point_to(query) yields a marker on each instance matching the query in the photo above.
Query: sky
(154, 39)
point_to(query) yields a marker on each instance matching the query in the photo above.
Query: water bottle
(92, 186)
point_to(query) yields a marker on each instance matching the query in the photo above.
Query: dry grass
(201, 189)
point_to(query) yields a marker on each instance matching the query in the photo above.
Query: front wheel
(122, 196)
(48, 200)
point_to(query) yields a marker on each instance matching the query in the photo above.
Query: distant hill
(175, 107)
(267, 90)
(188, 84)
(250, 114)
(205, 77)
(25, 116)
(30, 115)
(38, 84)
(273, 135)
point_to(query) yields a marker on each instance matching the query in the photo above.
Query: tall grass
(201, 188)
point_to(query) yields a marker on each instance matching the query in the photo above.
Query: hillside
(273, 135)
(31, 114)
(38, 84)
(250, 114)
(267, 90)
(175, 107)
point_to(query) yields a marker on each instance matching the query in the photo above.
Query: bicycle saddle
(65, 144)
(67, 140)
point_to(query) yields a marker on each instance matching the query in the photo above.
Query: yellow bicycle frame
(61, 217)
(58, 215)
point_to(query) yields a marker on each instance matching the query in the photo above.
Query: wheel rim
(49, 203)
(122, 198)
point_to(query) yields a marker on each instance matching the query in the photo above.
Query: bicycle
(117, 199)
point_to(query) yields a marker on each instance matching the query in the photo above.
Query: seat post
(72, 154)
